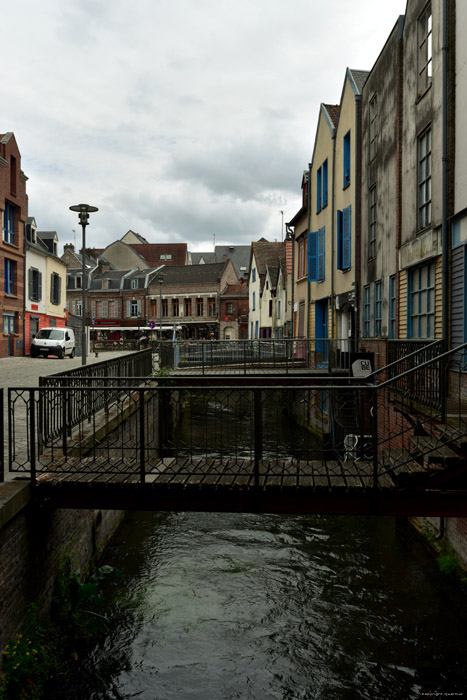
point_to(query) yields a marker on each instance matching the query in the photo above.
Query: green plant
(29, 660)
(448, 563)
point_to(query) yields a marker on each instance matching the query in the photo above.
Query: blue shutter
(339, 239)
(321, 251)
(318, 190)
(313, 256)
(346, 238)
(325, 183)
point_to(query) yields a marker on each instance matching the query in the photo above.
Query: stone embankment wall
(33, 542)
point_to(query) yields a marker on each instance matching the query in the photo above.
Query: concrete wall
(33, 542)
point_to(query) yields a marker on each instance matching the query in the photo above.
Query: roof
(205, 257)
(333, 112)
(266, 254)
(358, 77)
(235, 290)
(239, 255)
(151, 252)
(191, 274)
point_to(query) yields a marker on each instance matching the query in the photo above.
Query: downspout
(308, 284)
(333, 231)
(444, 223)
(358, 141)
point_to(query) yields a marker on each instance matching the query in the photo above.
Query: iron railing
(134, 430)
(279, 353)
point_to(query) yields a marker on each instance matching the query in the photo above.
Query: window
(77, 308)
(251, 329)
(199, 307)
(9, 224)
(316, 251)
(113, 309)
(346, 153)
(253, 307)
(78, 281)
(270, 308)
(378, 293)
(105, 284)
(55, 288)
(34, 284)
(322, 186)
(278, 308)
(211, 306)
(134, 284)
(366, 311)
(256, 329)
(302, 257)
(166, 256)
(102, 310)
(175, 307)
(344, 244)
(8, 324)
(372, 223)
(422, 301)
(373, 126)
(10, 276)
(13, 173)
(425, 50)
(229, 308)
(392, 306)
(153, 307)
(424, 179)
(165, 307)
(133, 308)
(187, 307)
(253, 275)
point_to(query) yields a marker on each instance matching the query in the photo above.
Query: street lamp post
(160, 279)
(83, 210)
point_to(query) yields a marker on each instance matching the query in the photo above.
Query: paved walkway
(25, 372)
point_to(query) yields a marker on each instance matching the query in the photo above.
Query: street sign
(152, 324)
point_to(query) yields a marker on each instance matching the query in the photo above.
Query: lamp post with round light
(83, 210)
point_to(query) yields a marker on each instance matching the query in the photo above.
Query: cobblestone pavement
(25, 372)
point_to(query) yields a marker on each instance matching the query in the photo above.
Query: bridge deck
(232, 486)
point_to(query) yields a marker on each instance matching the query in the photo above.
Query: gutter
(444, 224)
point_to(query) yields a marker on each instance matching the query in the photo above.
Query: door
(321, 331)
(33, 329)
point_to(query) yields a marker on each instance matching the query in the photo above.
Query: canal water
(232, 606)
(217, 607)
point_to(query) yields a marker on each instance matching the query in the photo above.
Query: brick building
(233, 312)
(14, 211)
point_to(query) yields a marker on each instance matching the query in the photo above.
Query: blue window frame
(378, 306)
(256, 329)
(251, 329)
(10, 276)
(346, 151)
(9, 224)
(422, 301)
(322, 186)
(392, 306)
(344, 239)
(8, 324)
(316, 255)
(319, 182)
(366, 311)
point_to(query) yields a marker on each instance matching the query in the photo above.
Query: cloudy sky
(184, 120)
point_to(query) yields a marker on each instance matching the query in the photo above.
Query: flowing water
(216, 607)
(225, 606)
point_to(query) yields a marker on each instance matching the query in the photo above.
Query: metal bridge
(391, 445)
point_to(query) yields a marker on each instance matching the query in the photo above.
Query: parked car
(53, 341)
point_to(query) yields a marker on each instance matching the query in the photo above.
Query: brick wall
(32, 544)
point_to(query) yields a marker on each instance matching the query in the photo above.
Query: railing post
(374, 414)
(64, 430)
(32, 436)
(142, 470)
(2, 439)
(258, 432)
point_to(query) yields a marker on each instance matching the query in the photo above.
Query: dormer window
(134, 284)
(166, 256)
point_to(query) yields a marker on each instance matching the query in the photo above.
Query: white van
(53, 341)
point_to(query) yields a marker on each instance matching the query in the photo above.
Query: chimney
(69, 246)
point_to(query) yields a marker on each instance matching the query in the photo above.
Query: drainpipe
(358, 134)
(333, 231)
(308, 284)
(444, 224)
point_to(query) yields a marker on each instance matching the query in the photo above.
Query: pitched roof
(239, 255)
(205, 257)
(235, 290)
(266, 254)
(333, 112)
(151, 252)
(191, 274)
(359, 77)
